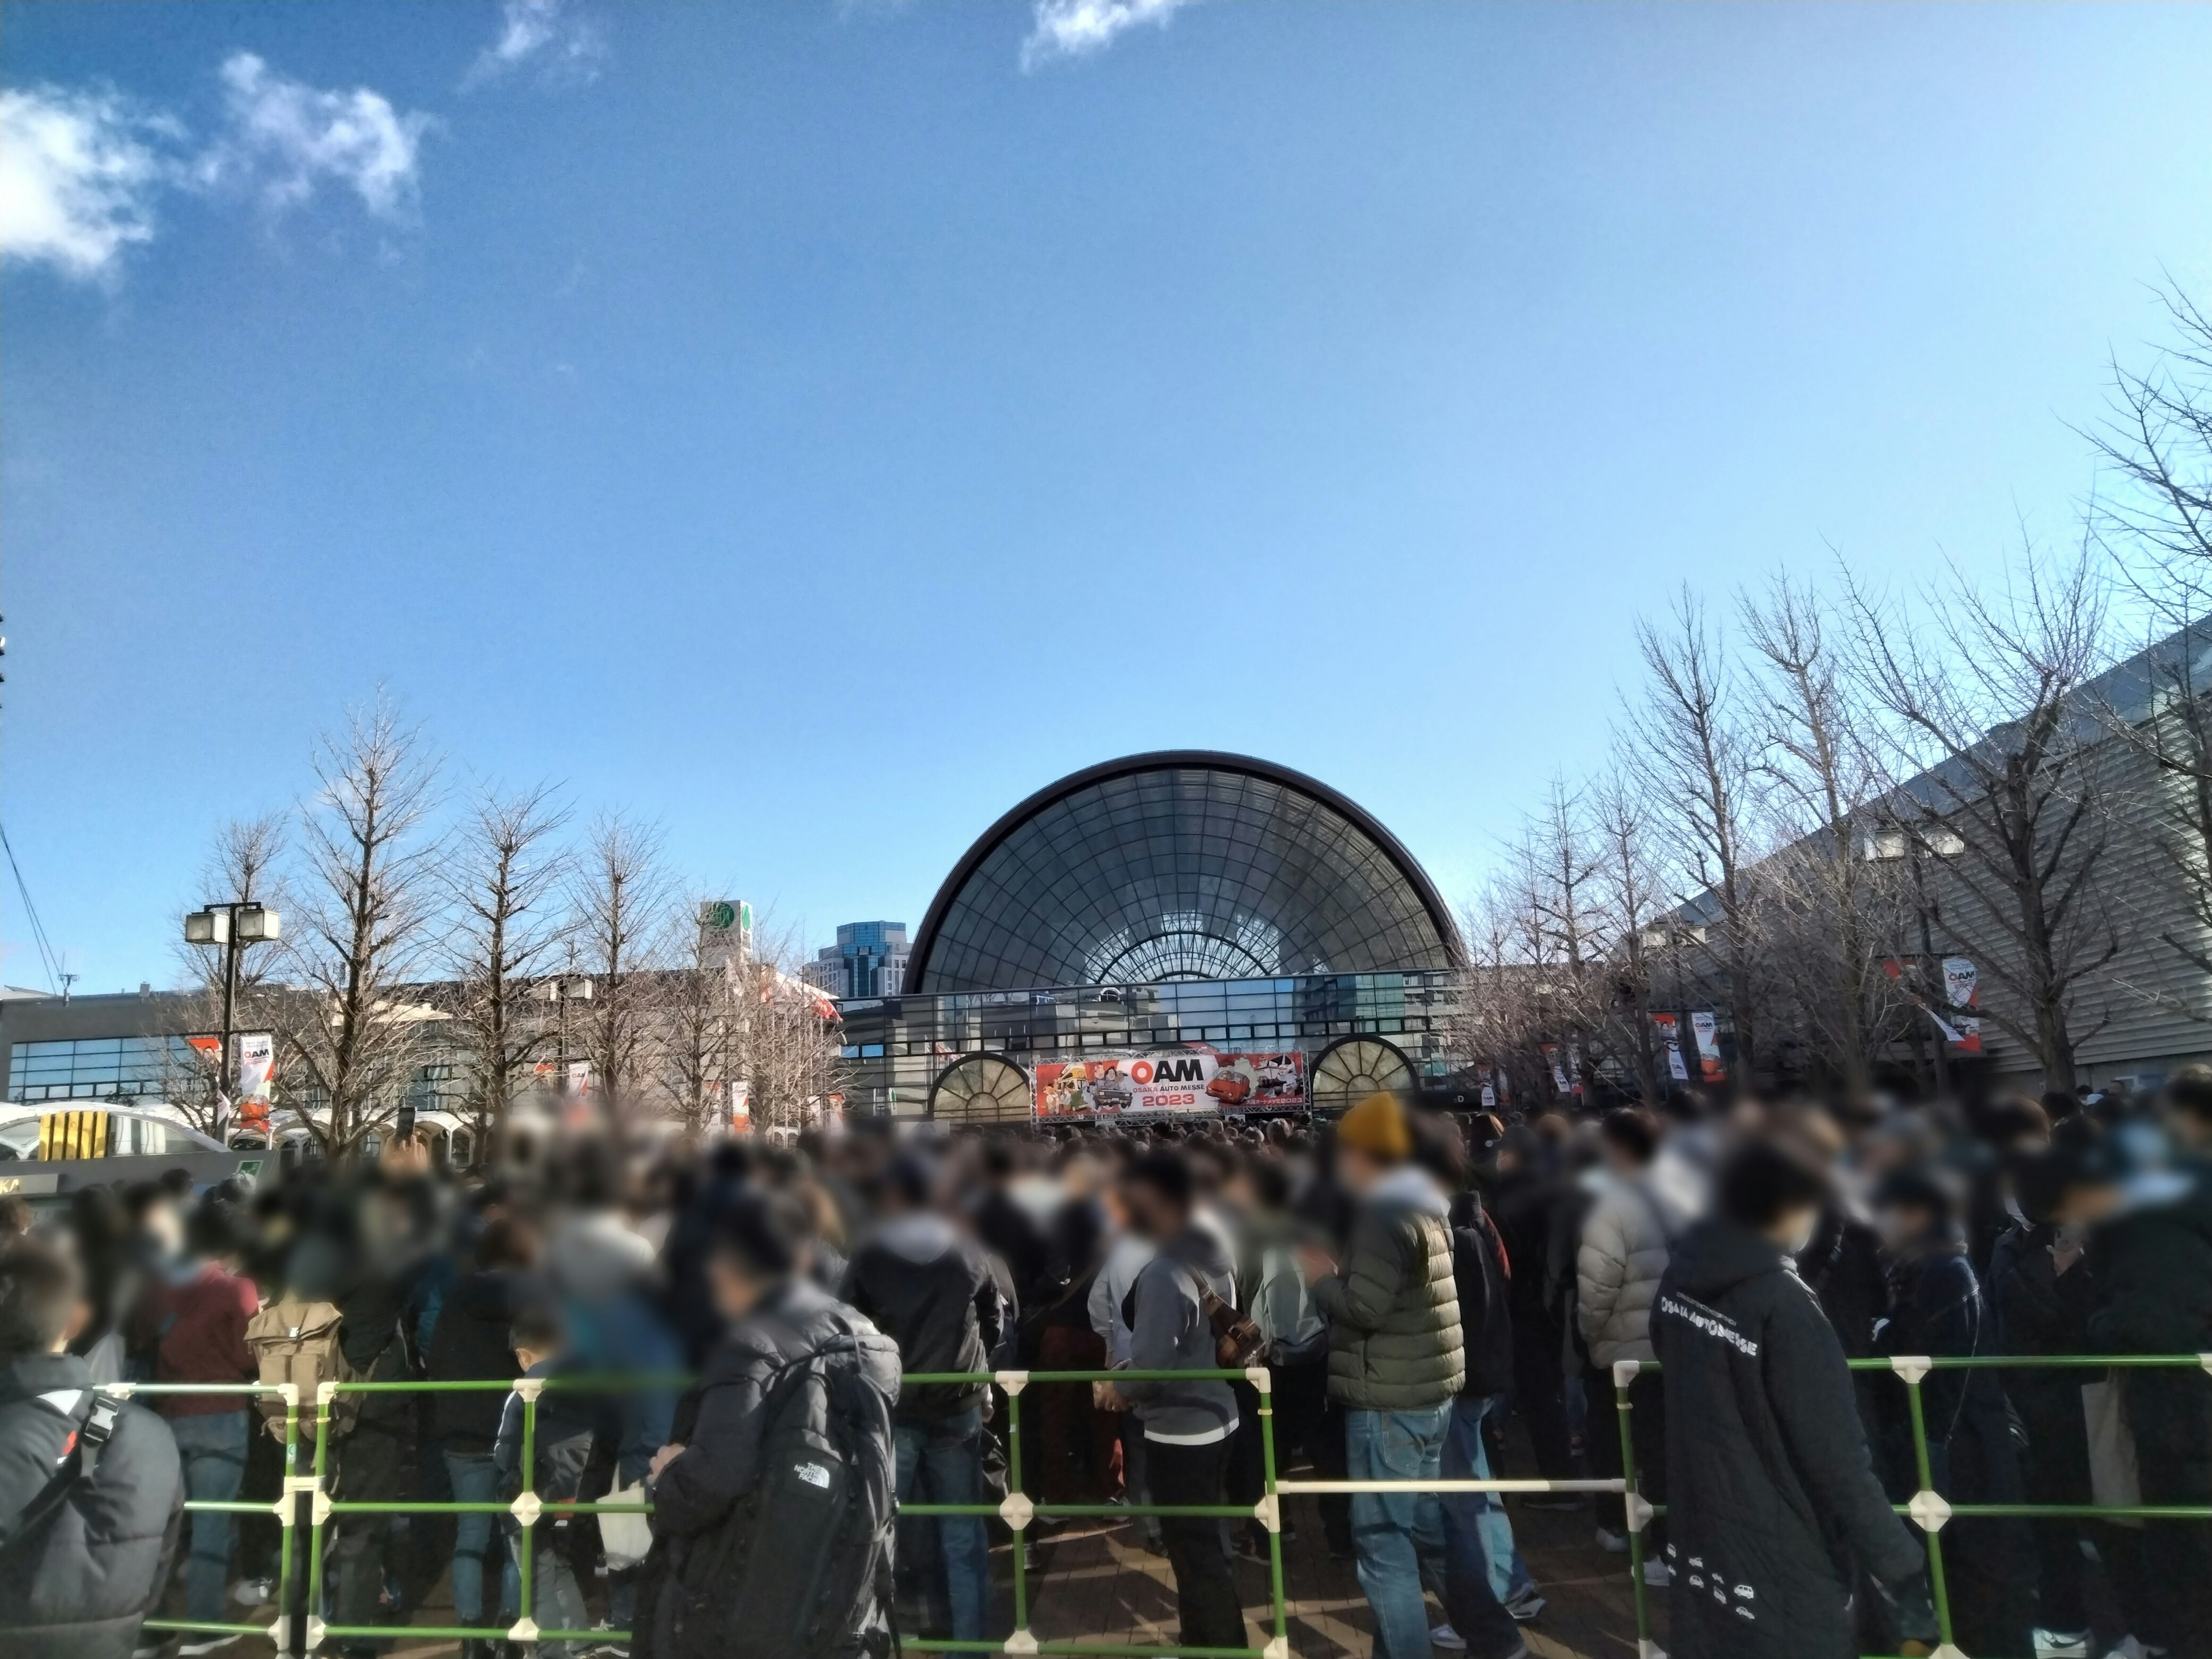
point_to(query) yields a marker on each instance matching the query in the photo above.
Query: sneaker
(2049, 1643)
(1656, 1574)
(252, 1592)
(1526, 1606)
(1444, 1637)
(151, 1646)
(1612, 1542)
(199, 1645)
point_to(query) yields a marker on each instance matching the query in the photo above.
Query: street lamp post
(234, 924)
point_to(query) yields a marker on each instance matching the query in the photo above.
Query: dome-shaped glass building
(1182, 865)
(1178, 932)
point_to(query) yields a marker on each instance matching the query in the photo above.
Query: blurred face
(735, 1290)
(2084, 1205)
(1793, 1231)
(1619, 1158)
(1150, 1213)
(1355, 1169)
(1902, 1225)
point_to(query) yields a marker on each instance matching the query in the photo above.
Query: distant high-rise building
(868, 960)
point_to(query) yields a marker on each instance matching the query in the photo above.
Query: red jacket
(197, 1330)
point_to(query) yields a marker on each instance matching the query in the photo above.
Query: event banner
(1670, 1039)
(1178, 1081)
(1706, 1030)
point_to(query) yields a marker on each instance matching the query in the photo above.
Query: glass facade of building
(1174, 868)
(895, 1048)
(101, 1069)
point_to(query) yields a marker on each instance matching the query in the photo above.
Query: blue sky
(816, 426)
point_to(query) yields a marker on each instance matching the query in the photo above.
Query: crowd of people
(774, 1348)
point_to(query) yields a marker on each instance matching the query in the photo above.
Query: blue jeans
(1477, 1533)
(1395, 1534)
(949, 1455)
(212, 1448)
(475, 1479)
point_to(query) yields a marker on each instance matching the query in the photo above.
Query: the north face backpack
(820, 1546)
(296, 1341)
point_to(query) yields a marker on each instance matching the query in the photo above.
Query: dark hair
(39, 1288)
(213, 1230)
(761, 1231)
(501, 1245)
(1271, 1182)
(2190, 1089)
(1629, 1129)
(2040, 1181)
(1765, 1179)
(1439, 1149)
(537, 1328)
(1918, 1189)
(910, 1180)
(1167, 1172)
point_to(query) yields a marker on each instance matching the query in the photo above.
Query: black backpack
(818, 1546)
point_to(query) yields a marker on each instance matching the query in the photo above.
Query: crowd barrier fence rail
(305, 1502)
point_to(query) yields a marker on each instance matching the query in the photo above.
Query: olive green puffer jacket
(1393, 1340)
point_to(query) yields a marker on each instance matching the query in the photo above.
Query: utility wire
(37, 928)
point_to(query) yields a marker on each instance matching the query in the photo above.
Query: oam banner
(1179, 1080)
(1706, 1028)
(1558, 1072)
(1962, 989)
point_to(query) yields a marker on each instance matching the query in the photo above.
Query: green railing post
(319, 1510)
(1630, 1497)
(292, 1620)
(1014, 1487)
(527, 1533)
(1936, 1591)
(1263, 1379)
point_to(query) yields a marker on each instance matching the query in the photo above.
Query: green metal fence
(305, 1502)
(1927, 1509)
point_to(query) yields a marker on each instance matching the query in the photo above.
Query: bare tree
(1835, 905)
(702, 1022)
(242, 866)
(789, 1055)
(622, 898)
(365, 903)
(1632, 912)
(1561, 877)
(504, 882)
(1986, 697)
(2156, 522)
(1695, 763)
(2156, 444)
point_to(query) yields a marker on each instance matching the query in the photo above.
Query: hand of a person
(2065, 1254)
(1105, 1397)
(662, 1459)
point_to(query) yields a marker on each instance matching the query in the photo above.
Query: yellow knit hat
(1377, 1127)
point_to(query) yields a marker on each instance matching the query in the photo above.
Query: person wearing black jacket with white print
(1773, 1503)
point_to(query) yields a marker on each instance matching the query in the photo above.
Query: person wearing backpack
(774, 1505)
(91, 1489)
(192, 1321)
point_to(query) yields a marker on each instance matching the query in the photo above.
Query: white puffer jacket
(1625, 1244)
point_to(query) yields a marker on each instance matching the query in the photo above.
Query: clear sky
(815, 426)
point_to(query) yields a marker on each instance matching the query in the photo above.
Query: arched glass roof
(1179, 866)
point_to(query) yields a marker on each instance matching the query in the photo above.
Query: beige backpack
(296, 1341)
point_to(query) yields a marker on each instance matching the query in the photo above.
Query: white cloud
(1072, 28)
(283, 138)
(551, 33)
(78, 172)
